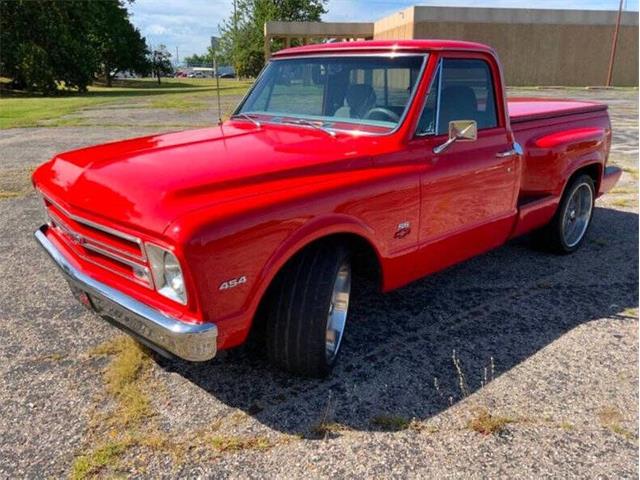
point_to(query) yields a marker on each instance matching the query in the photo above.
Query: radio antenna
(214, 45)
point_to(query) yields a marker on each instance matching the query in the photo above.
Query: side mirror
(459, 130)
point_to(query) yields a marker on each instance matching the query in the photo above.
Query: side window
(465, 92)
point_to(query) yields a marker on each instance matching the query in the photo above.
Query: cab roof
(385, 46)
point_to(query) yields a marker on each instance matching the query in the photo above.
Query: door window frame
(494, 72)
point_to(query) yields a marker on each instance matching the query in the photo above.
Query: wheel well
(593, 170)
(365, 266)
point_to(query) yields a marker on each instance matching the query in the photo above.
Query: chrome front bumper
(166, 335)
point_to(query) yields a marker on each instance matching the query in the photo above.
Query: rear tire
(307, 310)
(568, 228)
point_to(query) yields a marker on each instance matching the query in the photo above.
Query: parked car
(380, 160)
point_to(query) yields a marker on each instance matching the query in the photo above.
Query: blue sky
(188, 24)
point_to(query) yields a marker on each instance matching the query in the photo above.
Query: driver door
(468, 190)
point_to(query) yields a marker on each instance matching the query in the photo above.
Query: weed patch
(123, 376)
(487, 424)
(391, 423)
(234, 443)
(324, 429)
(611, 418)
(622, 202)
(103, 456)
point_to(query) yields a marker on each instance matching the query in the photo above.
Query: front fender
(257, 254)
(308, 233)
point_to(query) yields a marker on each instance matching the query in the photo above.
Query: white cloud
(186, 24)
(156, 29)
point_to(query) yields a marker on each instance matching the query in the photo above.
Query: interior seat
(360, 99)
(457, 102)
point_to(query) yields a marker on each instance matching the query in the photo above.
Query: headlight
(167, 274)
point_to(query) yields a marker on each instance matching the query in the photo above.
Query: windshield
(338, 92)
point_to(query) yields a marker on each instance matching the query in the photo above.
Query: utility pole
(235, 19)
(235, 37)
(214, 47)
(177, 57)
(614, 45)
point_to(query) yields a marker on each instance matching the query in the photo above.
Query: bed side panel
(556, 148)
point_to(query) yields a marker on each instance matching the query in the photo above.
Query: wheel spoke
(338, 309)
(577, 214)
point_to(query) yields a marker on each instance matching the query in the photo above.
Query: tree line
(46, 44)
(242, 33)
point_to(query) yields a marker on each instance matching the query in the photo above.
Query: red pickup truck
(384, 159)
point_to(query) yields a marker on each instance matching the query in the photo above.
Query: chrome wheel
(338, 310)
(577, 215)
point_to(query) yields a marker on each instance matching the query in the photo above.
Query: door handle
(515, 150)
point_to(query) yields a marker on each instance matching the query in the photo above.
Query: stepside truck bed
(558, 137)
(555, 135)
(527, 109)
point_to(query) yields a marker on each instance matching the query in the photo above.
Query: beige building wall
(537, 47)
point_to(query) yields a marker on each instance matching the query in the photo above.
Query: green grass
(104, 456)
(19, 109)
(123, 377)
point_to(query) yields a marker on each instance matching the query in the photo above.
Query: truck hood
(146, 183)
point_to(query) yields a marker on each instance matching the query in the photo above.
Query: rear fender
(565, 152)
(592, 161)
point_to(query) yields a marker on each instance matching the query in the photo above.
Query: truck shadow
(500, 308)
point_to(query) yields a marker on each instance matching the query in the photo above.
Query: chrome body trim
(96, 245)
(101, 248)
(440, 68)
(163, 333)
(516, 149)
(102, 228)
(436, 73)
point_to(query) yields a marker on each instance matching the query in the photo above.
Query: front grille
(105, 247)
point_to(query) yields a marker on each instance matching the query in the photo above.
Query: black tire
(298, 308)
(552, 236)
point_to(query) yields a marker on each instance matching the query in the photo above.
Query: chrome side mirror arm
(443, 146)
(463, 130)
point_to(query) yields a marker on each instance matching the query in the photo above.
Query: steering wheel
(390, 114)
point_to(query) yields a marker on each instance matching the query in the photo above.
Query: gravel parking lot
(516, 364)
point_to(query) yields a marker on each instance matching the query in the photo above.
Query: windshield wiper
(309, 123)
(247, 116)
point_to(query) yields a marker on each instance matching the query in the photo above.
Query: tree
(242, 34)
(46, 42)
(161, 62)
(196, 60)
(206, 59)
(50, 42)
(119, 45)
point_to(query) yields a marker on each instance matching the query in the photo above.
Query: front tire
(568, 227)
(307, 310)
